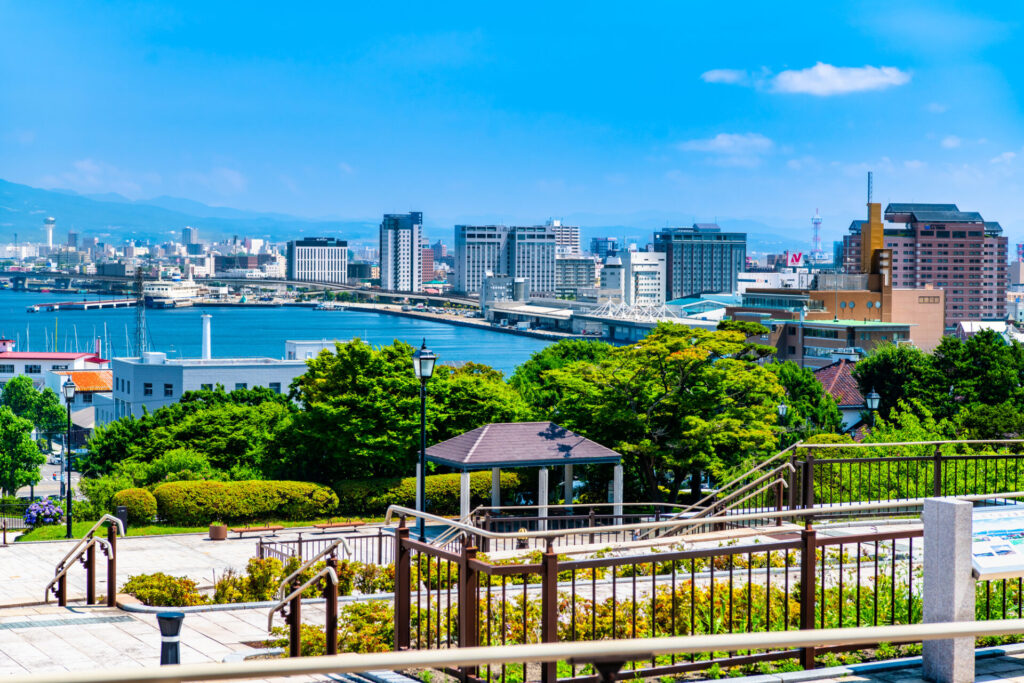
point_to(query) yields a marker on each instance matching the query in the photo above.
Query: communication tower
(816, 253)
(48, 226)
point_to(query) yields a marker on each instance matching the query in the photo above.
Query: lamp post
(68, 388)
(783, 409)
(871, 401)
(423, 366)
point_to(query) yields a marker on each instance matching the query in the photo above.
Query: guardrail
(85, 552)
(605, 656)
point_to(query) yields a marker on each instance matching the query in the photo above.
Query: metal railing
(366, 548)
(606, 656)
(291, 606)
(85, 552)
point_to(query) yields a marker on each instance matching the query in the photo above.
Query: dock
(82, 305)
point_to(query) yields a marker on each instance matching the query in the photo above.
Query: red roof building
(841, 386)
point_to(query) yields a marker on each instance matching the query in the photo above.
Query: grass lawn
(55, 532)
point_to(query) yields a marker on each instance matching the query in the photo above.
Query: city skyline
(616, 118)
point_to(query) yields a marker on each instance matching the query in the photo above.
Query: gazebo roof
(519, 444)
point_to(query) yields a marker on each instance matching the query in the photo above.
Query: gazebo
(524, 444)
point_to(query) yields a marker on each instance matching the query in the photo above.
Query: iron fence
(377, 548)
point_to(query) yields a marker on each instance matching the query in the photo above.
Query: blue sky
(607, 112)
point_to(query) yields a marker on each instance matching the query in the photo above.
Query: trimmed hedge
(202, 502)
(140, 503)
(373, 496)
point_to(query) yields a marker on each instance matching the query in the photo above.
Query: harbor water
(245, 331)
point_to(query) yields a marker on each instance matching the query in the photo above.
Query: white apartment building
(35, 364)
(575, 272)
(515, 251)
(318, 259)
(401, 256)
(567, 237)
(637, 277)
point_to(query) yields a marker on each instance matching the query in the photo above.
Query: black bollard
(170, 634)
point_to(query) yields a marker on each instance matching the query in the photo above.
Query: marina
(252, 330)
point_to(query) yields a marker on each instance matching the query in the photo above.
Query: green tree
(360, 415)
(811, 410)
(20, 396)
(49, 415)
(898, 372)
(532, 379)
(679, 401)
(19, 457)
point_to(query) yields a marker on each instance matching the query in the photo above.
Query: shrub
(42, 513)
(373, 496)
(201, 502)
(140, 503)
(100, 491)
(161, 590)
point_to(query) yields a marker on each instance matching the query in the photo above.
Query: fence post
(549, 609)
(808, 481)
(300, 546)
(792, 480)
(403, 587)
(485, 524)
(808, 557)
(778, 501)
(62, 590)
(259, 548)
(112, 566)
(380, 545)
(937, 472)
(295, 622)
(331, 595)
(592, 522)
(90, 574)
(469, 609)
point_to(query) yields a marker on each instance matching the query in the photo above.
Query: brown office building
(941, 246)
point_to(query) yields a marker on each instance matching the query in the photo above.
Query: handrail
(749, 516)
(718, 491)
(861, 444)
(724, 512)
(63, 569)
(580, 652)
(309, 563)
(574, 505)
(298, 591)
(104, 518)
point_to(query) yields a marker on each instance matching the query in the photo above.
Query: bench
(255, 529)
(325, 527)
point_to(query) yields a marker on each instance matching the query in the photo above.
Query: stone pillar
(617, 493)
(948, 591)
(567, 493)
(464, 496)
(542, 498)
(495, 487)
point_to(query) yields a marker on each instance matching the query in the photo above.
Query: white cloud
(730, 76)
(824, 79)
(914, 164)
(90, 176)
(222, 180)
(1004, 158)
(730, 143)
(345, 168)
(21, 136)
(936, 108)
(950, 142)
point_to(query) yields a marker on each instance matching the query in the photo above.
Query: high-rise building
(189, 235)
(567, 237)
(401, 252)
(602, 247)
(637, 276)
(574, 272)
(72, 239)
(427, 259)
(48, 225)
(700, 259)
(440, 250)
(318, 259)
(515, 251)
(941, 246)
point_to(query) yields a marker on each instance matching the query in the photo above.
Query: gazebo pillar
(495, 487)
(542, 498)
(464, 496)
(617, 493)
(568, 485)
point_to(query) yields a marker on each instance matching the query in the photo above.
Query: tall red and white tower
(816, 253)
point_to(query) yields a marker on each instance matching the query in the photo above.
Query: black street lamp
(871, 401)
(68, 388)
(423, 361)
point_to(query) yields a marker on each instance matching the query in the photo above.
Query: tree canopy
(19, 457)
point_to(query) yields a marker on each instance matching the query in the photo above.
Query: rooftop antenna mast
(140, 313)
(871, 185)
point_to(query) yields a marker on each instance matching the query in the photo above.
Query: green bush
(161, 590)
(140, 503)
(201, 502)
(373, 496)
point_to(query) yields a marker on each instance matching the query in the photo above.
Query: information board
(997, 542)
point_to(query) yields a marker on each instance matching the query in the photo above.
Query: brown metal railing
(375, 548)
(85, 552)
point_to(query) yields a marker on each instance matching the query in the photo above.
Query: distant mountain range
(114, 218)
